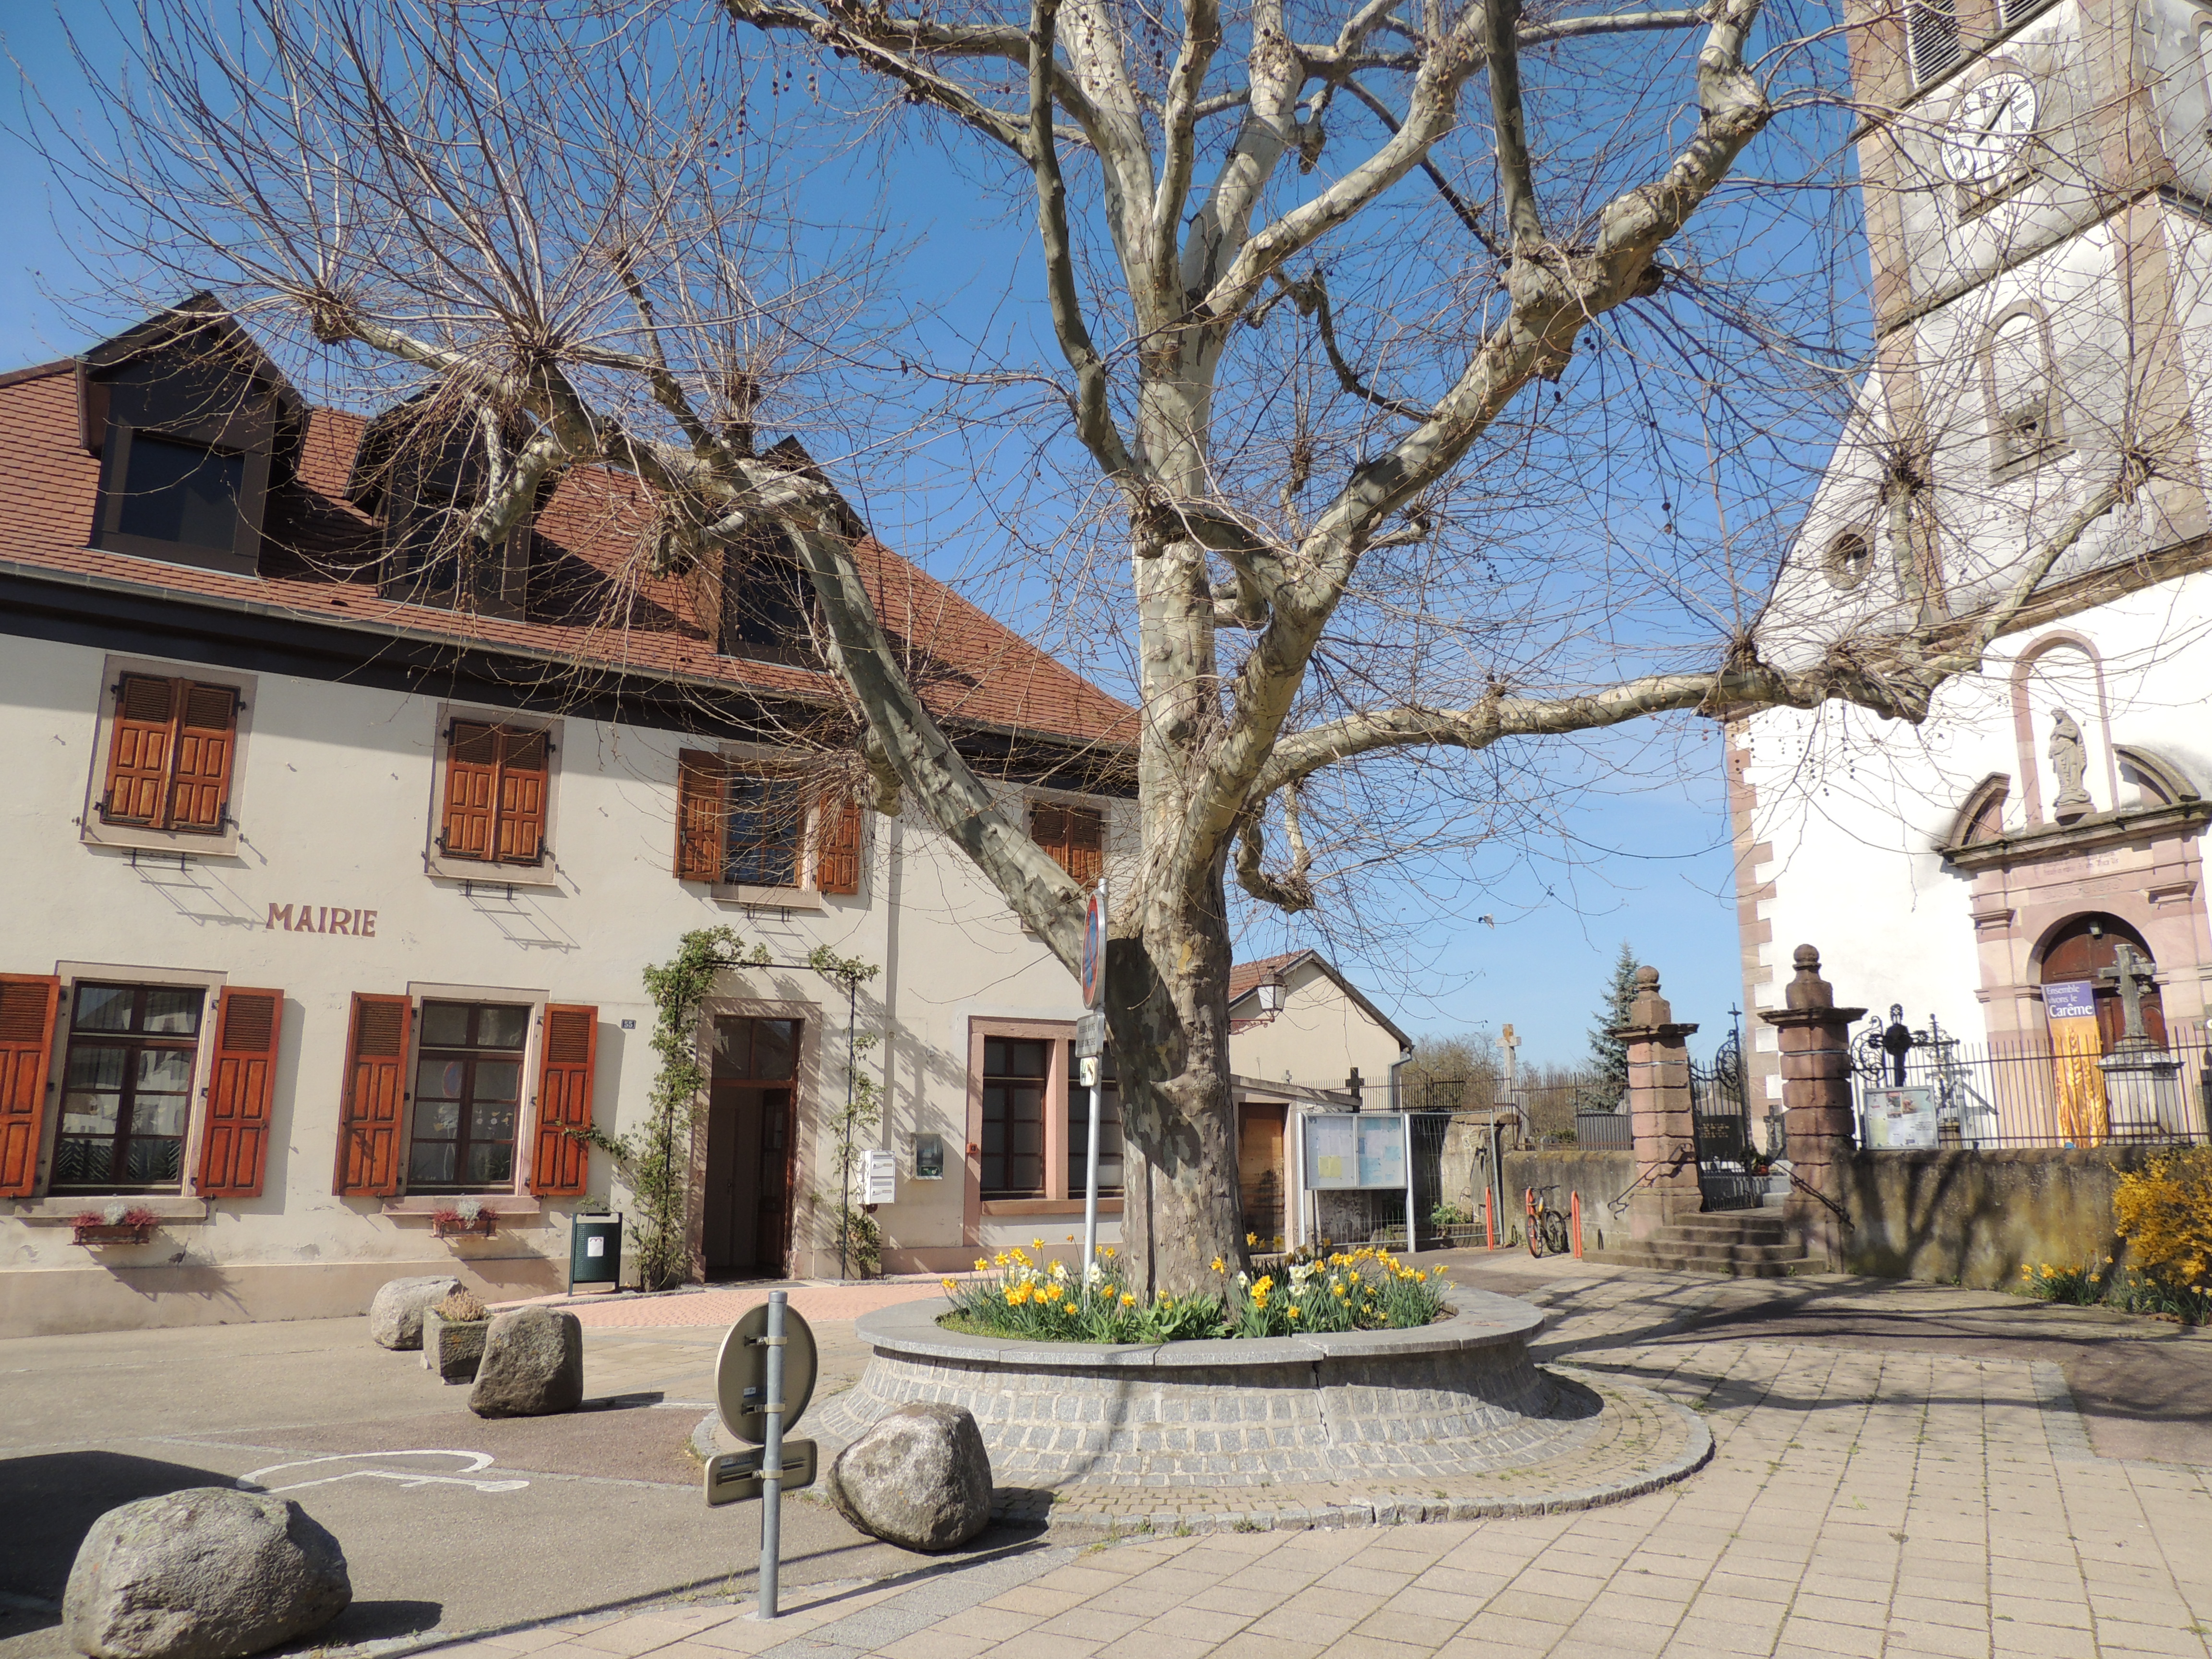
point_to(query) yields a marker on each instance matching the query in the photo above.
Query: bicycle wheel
(1535, 1232)
(1555, 1233)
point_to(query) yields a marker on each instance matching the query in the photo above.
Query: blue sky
(1645, 859)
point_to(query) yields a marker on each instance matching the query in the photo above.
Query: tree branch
(1311, 298)
(1516, 181)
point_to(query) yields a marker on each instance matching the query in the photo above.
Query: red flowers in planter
(116, 1225)
(467, 1221)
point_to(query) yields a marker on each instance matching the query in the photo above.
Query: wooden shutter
(564, 1102)
(1049, 830)
(837, 856)
(471, 791)
(205, 742)
(235, 1149)
(1086, 845)
(138, 750)
(521, 798)
(26, 1038)
(702, 801)
(374, 1099)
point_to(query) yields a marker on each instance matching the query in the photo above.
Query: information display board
(1354, 1151)
(1898, 1119)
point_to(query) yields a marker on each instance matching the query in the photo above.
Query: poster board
(1347, 1151)
(1898, 1119)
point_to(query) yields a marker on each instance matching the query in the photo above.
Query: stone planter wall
(452, 1349)
(1459, 1396)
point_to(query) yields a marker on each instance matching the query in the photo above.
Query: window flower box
(117, 1224)
(467, 1219)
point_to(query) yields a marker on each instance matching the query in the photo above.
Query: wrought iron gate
(1720, 1121)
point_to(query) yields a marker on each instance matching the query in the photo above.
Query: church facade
(2038, 189)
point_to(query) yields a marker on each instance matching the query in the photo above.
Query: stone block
(452, 1349)
(919, 1479)
(395, 1316)
(205, 1573)
(533, 1365)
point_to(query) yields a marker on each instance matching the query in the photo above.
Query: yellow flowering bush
(2165, 1212)
(1018, 1294)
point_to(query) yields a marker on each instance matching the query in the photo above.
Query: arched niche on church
(2061, 724)
(2086, 948)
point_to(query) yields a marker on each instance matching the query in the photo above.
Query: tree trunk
(1167, 1001)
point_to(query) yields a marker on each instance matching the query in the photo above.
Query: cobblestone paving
(1861, 1502)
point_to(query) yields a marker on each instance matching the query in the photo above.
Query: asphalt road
(450, 1524)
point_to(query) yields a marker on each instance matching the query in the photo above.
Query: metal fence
(2025, 1094)
(1603, 1131)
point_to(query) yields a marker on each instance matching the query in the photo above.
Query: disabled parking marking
(471, 1465)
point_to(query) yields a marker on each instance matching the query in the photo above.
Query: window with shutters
(1074, 836)
(468, 1096)
(126, 1089)
(493, 810)
(764, 833)
(169, 758)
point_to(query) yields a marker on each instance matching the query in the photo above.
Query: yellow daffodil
(947, 1282)
(1128, 1301)
(1251, 1238)
(980, 1265)
(1219, 1266)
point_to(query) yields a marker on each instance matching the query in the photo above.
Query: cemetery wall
(1602, 1178)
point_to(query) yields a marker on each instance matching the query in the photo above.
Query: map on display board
(1346, 1151)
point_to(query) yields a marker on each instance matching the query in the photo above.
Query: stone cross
(2131, 979)
(1509, 1043)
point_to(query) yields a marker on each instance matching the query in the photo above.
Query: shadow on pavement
(48, 1502)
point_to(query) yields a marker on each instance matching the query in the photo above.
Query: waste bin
(594, 1251)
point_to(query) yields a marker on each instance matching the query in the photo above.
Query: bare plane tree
(1196, 176)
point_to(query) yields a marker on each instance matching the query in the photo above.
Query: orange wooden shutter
(564, 1102)
(375, 1097)
(521, 827)
(1086, 845)
(703, 803)
(26, 1036)
(235, 1148)
(837, 862)
(205, 742)
(471, 782)
(138, 750)
(1049, 830)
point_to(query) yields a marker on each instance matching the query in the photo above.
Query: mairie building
(336, 862)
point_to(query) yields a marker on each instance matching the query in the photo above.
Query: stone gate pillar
(1816, 1104)
(1659, 1110)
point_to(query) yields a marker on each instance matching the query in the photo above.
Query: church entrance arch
(2087, 947)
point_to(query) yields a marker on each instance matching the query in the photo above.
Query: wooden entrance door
(2087, 948)
(1260, 1167)
(751, 1128)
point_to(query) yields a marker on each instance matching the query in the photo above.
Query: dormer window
(175, 491)
(768, 610)
(421, 470)
(185, 413)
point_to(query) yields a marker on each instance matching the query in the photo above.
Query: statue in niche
(2069, 758)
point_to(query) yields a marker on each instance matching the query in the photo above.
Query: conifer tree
(1608, 1054)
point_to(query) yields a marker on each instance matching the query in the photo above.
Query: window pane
(430, 1163)
(103, 1008)
(491, 1119)
(172, 1012)
(994, 1057)
(501, 1025)
(153, 1163)
(766, 816)
(436, 1078)
(437, 1119)
(85, 1113)
(179, 492)
(445, 1025)
(491, 1165)
(82, 1163)
(775, 1048)
(157, 1114)
(96, 1065)
(164, 1071)
(498, 1079)
(1079, 1128)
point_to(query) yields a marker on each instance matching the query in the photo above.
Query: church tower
(2037, 181)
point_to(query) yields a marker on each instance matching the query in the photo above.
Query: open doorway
(1260, 1167)
(750, 1129)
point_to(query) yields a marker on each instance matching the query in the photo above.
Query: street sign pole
(772, 1458)
(1094, 987)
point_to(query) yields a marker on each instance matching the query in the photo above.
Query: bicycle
(1546, 1231)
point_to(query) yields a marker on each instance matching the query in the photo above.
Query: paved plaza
(1896, 1469)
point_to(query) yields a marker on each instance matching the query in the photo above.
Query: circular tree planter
(1459, 1396)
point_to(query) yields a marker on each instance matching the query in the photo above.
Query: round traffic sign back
(741, 1374)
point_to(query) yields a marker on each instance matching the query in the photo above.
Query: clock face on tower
(1989, 127)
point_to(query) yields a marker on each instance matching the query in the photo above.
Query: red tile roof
(594, 603)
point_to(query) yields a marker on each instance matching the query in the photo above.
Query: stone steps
(1730, 1243)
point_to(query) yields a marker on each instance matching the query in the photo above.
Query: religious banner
(2076, 1045)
